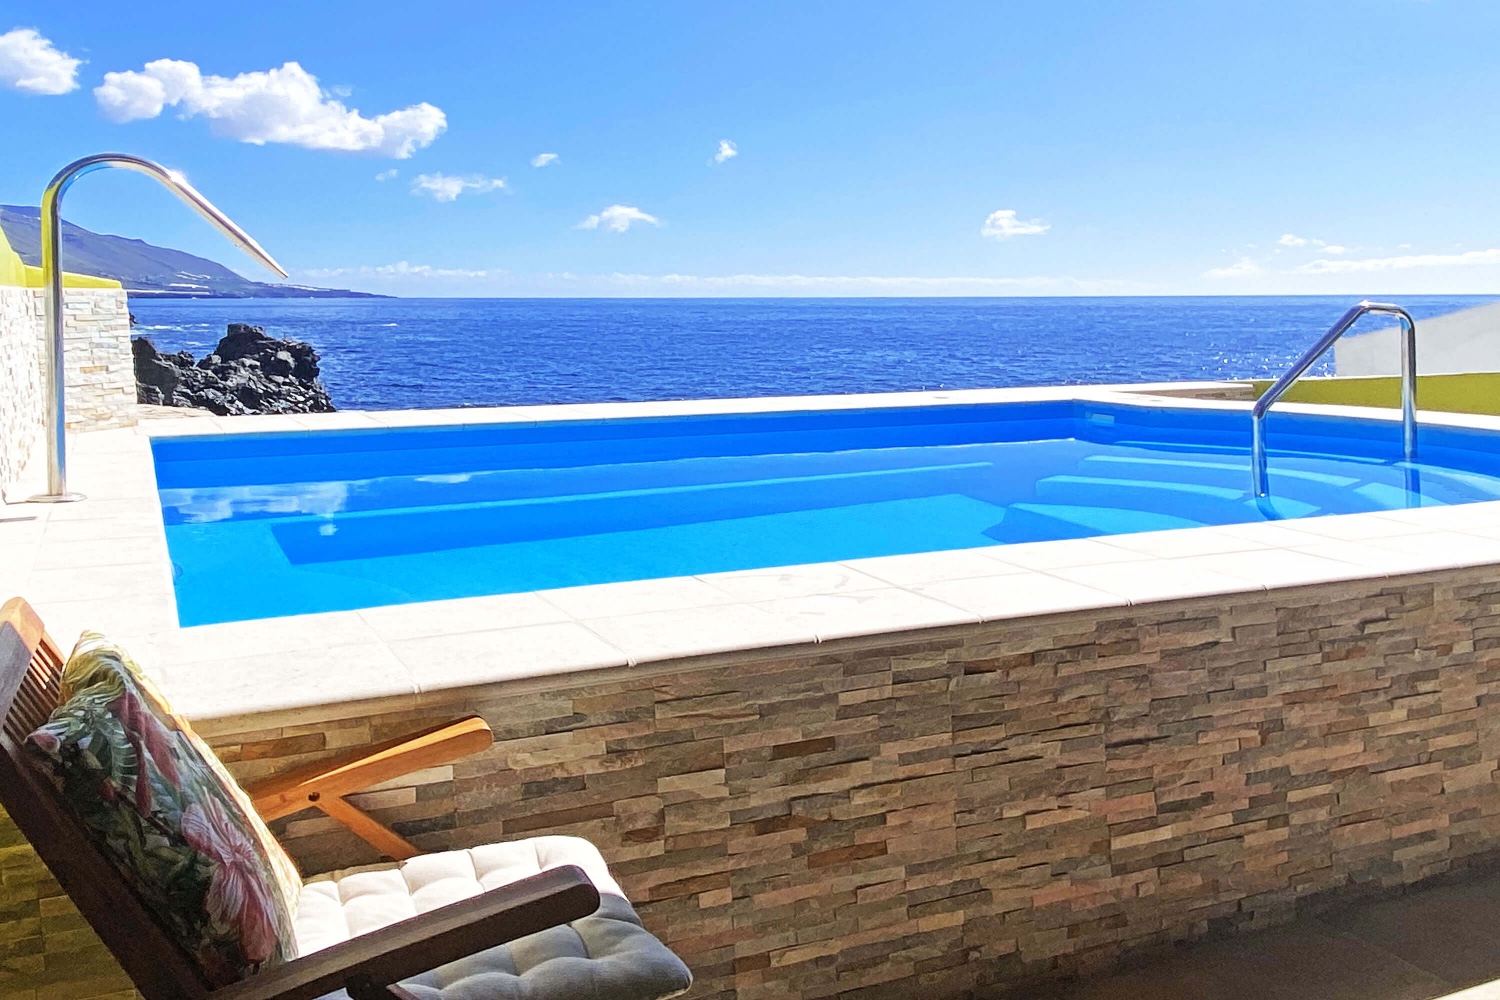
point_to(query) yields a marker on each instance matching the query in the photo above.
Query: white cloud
(284, 105)
(33, 65)
(400, 269)
(727, 151)
(1469, 259)
(834, 281)
(1242, 268)
(542, 159)
(618, 218)
(388, 175)
(1002, 225)
(404, 277)
(1289, 240)
(858, 284)
(445, 187)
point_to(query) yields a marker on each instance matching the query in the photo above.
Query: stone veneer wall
(20, 382)
(101, 373)
(973, 808)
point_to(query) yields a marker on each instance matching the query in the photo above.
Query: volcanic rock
(248, 372)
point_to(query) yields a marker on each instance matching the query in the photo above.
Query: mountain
(147, 270)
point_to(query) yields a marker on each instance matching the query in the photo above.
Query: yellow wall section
(1471, 392)
(19, 275)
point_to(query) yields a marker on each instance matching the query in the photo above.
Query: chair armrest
(410, 947)
(357, 770)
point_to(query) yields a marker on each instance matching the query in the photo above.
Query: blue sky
(990, 148)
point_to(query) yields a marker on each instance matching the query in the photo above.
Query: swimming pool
(263, 525)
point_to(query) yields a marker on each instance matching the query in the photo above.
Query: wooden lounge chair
(390, 961)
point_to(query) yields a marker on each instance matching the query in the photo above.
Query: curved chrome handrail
(52, 282)
(1258, 471)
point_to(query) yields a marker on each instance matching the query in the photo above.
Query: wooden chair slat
(30, 667)
(324, 783)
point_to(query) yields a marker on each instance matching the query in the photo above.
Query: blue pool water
(278, 524)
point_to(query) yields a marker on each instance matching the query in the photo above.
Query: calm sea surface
(398, 353)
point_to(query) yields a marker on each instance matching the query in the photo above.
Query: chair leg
(323, 784)
(368, 828)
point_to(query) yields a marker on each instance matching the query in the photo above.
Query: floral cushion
(164, 810)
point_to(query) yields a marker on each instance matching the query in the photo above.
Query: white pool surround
(103, 564)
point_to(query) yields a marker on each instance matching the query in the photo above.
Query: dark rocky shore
(249, 372)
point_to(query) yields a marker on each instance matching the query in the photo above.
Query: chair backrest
(30, 669)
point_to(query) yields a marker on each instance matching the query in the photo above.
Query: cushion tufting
(606, 955)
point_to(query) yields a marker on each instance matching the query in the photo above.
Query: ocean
(406, 353)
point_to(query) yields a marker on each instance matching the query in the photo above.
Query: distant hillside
(147, 270)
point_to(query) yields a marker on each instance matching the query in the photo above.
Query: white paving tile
(288, 635)
(1068, 552)
(1453, 548)
(662, 635)
(67, 619)
(1484, 517)
(868, 612)
(105, 530)
(125, 583)
(423, 418)
(465, 614)
(273, 682)
(1277, 534)
(1430, 518)
(1351, 527)
(100, 509)
(606, 600)
(1376, 561)
(794, 581)
(1277, 567)
(932, 567)
(194, 427)
(1156, 580)
(132, 550)
(470, 658)
(1019, 595)
(342, 420)
(264, 423)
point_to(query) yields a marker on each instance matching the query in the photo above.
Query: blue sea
(404, 353)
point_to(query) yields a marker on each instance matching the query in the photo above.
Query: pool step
(1194, 502)
(1349, 487)
(1015, 464)
(395, 532)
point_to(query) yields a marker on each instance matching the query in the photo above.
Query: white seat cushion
(608, 954)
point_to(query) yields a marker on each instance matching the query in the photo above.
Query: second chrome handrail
(1258, 471)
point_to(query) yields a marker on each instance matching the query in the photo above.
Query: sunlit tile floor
(1438, 942)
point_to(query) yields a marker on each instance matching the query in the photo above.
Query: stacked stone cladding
(96, 353)
(20, 381)
(968, 810)
(96, 347)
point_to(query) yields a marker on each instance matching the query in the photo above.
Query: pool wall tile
(989, 807)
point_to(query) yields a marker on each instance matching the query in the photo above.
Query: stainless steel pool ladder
(52, 286)
(1258, 472)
